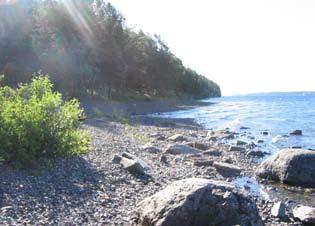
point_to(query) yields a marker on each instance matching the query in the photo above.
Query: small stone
(240, 143)
(199, 145)
(226, 169)
(265, 133)
(244, 128)
(236, 148)
(260, 141)
(213, 139)
(163, 159)
(116, 159)
(255, 153)
(135, 158)
(278, 210)
(230, 136)
(132, 166)
(177, 138)
(212, 152)
(152, 149)
(203, 163)
(181, 149)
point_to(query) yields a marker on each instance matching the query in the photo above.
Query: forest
(87, 49)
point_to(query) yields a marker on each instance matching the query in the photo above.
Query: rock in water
(244, 128)
(306, 214)
(290, 166)
(197, 202)
(240, 143)
(181, 149)
(255, 153)
(297, 132)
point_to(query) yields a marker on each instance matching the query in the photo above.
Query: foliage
(89, 50)
(35, 122)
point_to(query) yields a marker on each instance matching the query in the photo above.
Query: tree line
(87, 50)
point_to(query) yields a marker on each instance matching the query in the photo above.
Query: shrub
(35, 122)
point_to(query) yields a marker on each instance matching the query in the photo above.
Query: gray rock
(226, 169)
(202, 162)
(199, 145)
(181, 149)
(240, 143)
(152, 149)
(132, 166)
(213, 152)
(213, 139)
(163, 159)
(305, 214)
(135, 158)
(197, 202)
(297, 132)
(251, 145)
(278, 210)
(177, 138)
(230, 136)
(244, 128)
(237, 148)
(260, 141)
(265, 133)
(116, 159)
(255, 153)
(290, 166)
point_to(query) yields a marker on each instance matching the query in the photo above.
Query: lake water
(275, 113)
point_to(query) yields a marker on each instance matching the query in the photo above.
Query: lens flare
(77, 12)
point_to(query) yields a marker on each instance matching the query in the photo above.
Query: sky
(245, 46)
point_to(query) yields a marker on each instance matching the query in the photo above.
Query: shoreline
(108, 108)
(91, 189)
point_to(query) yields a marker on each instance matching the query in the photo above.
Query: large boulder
(290, 166)
(197, 202)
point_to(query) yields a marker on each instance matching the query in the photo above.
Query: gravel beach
(93, 190)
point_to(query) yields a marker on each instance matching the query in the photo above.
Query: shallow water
(276, 113)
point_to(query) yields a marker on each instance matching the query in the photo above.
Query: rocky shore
(131, 159)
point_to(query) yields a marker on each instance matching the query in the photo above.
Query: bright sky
(244, 45)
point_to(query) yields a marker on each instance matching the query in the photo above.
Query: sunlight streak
(75, 11)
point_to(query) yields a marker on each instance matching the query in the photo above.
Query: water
(277, 113)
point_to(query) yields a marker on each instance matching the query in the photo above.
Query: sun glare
(76, 11)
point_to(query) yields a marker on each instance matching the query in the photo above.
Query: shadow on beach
(68, 184)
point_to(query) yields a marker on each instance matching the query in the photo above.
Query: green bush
(35, 122)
